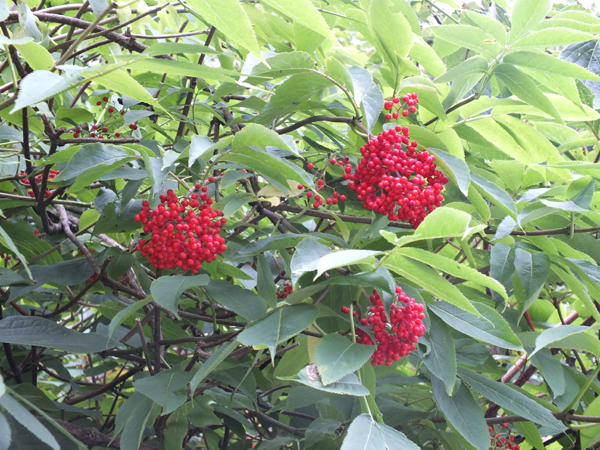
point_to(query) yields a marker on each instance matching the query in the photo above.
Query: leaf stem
(583, 389)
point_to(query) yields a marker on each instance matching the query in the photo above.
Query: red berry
(388, 116)
(204, 188)
(309, 194)
(412, 109)
(332, 161)
(345, 309)
(301, 186)
(395, 115)
(310, 165)
(94, 127)
(211, 179)
(117, 134)
(111, 109)
(98, 103)
(104, 129)
(105, 99)
(133, 126)
(405, 113)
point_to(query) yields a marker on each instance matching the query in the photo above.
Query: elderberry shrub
(396, 338)
(395, 180)
(183, 232)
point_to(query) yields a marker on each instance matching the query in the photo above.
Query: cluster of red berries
(334, 200)
(184, 232)
(408, 101)
(38, 179)
(498, 440)
(396, 338)
(394, 180)
(286, 290)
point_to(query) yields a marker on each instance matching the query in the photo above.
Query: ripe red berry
(396, 100)
(117, 134)
(105, 99)
(133, 126)
(98, 103)
(397, 182)
(94, 127)
(396, 337)
(204, 189)
(310, 165)
(395, 115)
(111, 109)
(300, 186)
(211, 179)
(388, 116)
(183, 233)
(332, 161)
(412, 109)
(309, 194)
(104, 129)
(320, 182)
(405, 113)
(345, 309)
(92, 134)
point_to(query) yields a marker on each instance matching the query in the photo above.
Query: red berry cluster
(396, 338)
(394, 180)
(185, 233)
(285, 291)
(408, 101)
(38, 179)
(498, 440)
(334, 200)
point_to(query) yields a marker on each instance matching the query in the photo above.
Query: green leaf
(532, 270)
(366, 94)
(494, 331)
(217, 357)
(6, 240)
(120, 81)
(565, 335)
(363, 433)
(28, 420)
(337, 356)
(456, 169)
(440, 358)
(442, 223)
(167, 290)
(545, 63)
(31, 330)
(290, 94)
(525, 89)
(203, 147)
(229, 17)
(509, 399)
(428, 279)
(278, 326)
(472, 66)
(3, 16)
(303, 12)
(90, 156)
(131, 420)
(531, 433)
(453, 268)
(469, 37)
(166, 388)
(495, 194)
(5, 433)
(125, 314)
(36, 56)
(242, 301)
(283, 65)
(552, 37)
(277, 170)
(348, 385)
(463, 412)
(488, 24)
(391, 29)
(265, 284)
(260, 137)
(526, 14)
(177, 428)
(343, 258)
(40, 85)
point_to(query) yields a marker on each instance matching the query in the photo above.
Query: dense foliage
(299, 224)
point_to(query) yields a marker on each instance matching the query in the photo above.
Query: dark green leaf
(337, 356)
(166, 388)
(217, 357)
(28, 330)
(497, 333)
(28, 420)
(278, 326)
(463, 412)
(440, 358)
(167, 290)
(242, 301)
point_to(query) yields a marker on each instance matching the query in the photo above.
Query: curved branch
(308, 120)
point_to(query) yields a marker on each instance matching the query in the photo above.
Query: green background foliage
(102, 350)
